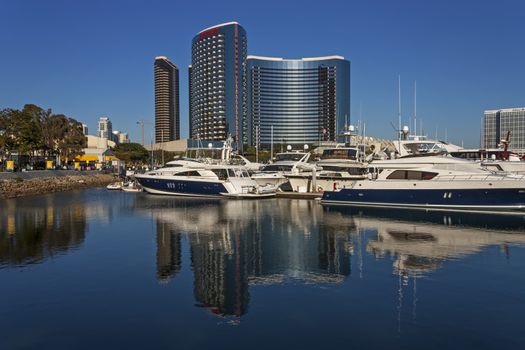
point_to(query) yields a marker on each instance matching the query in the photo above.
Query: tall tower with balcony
(167, 116)
(218, 84)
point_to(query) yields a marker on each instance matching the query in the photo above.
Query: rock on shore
(18, 187)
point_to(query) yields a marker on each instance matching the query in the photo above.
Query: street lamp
(141, 123)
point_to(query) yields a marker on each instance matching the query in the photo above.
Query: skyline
(96, 59)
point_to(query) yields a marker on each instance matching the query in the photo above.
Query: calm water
(97, 269)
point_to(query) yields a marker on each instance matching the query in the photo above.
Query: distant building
(167, 114)
(218, 84)
(497, 123)
(115, 136)
(304, 100)
(123, 137)
(84, 129)
(98, 150)
(120, 137)
(105, 128)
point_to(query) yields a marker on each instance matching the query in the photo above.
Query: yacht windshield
(423, 147)
(276, 167)
(339, 153)
(288, 157)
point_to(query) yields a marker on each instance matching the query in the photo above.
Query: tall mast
(415, 108)
(399, 107)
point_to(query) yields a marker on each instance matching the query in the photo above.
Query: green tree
(74, 140)
(28, 129)
(54, 129)
(34, 129)
(132, 153)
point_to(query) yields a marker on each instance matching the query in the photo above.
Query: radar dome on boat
(351, 128)
(289, 148)
(210, 145)
(405, 129)
(305, 147)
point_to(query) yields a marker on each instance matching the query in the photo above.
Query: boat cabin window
(423, 147)
(289, 157)
(411, 175)
(351, 170)
(222, 174)
(342, 153)
(188, 173)
(277, 167)
(172, 165)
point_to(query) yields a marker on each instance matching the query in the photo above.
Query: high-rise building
(104, 128)
(496, 124)
(218, 84)
(84, 129)
(167, 117)
(189, 100)
(301, 100)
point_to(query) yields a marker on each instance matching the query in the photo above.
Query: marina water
(98, 269)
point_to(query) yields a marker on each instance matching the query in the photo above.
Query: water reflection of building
(235, 244)
(219, 267)
(168, 252)
(33, 229)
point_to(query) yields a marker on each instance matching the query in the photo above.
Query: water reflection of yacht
(422, 241)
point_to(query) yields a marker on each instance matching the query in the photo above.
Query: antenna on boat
(415, 108)
(399, 110)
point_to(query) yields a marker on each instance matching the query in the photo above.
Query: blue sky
(88, 59)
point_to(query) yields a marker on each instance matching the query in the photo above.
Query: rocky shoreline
(18, 187)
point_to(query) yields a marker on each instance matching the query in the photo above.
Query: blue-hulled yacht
(192, 178)
(457, 185)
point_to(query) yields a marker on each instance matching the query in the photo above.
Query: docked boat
(284, 164)
(114, 186)
(444, 186)
(496, 159)
(338, 166)
(191, 178)
(132, 187)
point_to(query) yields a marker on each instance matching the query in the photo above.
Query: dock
(299, 195)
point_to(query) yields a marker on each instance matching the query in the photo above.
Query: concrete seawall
(38, 182)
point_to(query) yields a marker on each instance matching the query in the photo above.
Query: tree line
(34, 131)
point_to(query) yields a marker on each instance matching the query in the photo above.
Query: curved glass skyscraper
(304, 100)
(218, 84)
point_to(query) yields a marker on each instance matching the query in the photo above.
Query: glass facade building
(304, 101)
(167, 114)
(218, 84)
(497, 123)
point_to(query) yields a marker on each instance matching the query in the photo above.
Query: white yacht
(192, 178)
(497, 159)
(454, 185)
(338, 166)
(284, 164)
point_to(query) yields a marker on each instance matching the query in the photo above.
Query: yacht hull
(505, 199)
(177, 187)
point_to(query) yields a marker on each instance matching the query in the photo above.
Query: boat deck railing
(491, 177)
